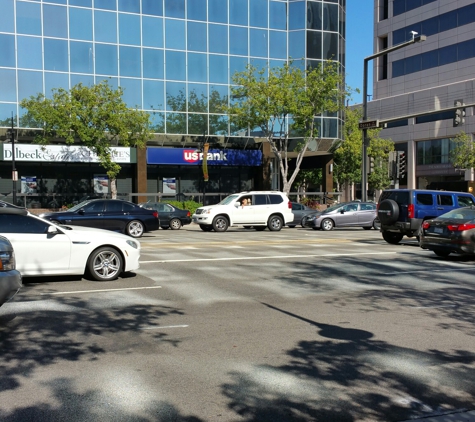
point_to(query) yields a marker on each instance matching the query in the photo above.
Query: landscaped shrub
(187, 205)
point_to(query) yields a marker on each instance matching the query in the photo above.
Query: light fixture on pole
(364, 172)
(11, 134)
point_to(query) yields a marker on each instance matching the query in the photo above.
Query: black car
(452, 232)
(169, 216)
(109, 214)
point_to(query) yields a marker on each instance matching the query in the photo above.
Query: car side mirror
(53, 230)
(237, 204)
(342, 211)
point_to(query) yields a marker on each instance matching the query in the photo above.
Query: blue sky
(359, 44)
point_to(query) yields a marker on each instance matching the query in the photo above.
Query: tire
(327, 224)
(275, 223)
(105, 264)
(175, 224)
(388, 212)
(376, 224)
(392, 238)
(164, 228)
(368, 228)
(260, 228)
(220, 223)
(135, 228)
(205, 228)
(441, 253)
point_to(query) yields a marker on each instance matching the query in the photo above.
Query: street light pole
(364, 175)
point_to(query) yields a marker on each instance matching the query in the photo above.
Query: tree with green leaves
(462, 155)
(96, 117)
(282, 102)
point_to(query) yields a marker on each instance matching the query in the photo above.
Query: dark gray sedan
(299, 211)
(10, 278)
(349, 214)
(169, 216)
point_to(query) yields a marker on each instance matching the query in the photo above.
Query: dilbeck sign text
(61, 153)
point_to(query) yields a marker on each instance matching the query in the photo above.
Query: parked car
(263, 209)
(403, 211)
(109, 214)
(299, 211)
(169, 216)
(44, 248)
(349, 214)
(4, 204)
(452, 232)
(10, 277)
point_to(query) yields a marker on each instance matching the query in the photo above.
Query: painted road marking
(101, 290)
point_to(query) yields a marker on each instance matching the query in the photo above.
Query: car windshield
(333, 208)
(228, 200)
(78, 206)
(460, 214)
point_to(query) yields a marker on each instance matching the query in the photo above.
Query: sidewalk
(451, 417)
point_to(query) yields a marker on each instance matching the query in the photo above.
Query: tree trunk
(114, 188)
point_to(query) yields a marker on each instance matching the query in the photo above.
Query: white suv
(259, 209)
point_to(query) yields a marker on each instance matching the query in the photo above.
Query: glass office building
(173, 58)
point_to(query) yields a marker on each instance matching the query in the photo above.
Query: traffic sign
(368, 124)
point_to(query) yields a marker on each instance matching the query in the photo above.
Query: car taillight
(290, 204)
(155, 214)
(425, 225)
(410, 211)
(460, 227)
(188, 214)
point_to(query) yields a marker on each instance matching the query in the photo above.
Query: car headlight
(7, 261)
(133, 244)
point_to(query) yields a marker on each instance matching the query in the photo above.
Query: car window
(97, 206)
(424, 199)
(114, 206)
(21, 224)
(128, 207)
(350, 207)
(402, 198)
(260, 200)
(465, 201)
(445, 200)
(296, 207)
(460, 213)
(275, 199)
(367, 207)
(166, 208)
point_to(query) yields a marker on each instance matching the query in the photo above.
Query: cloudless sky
(359, 44)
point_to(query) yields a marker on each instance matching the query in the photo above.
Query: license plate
(439, 230)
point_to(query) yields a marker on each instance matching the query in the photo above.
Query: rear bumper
(408, 228)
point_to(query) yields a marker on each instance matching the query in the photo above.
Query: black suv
(402, 211)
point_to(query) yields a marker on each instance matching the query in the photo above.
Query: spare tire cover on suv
(388, 211)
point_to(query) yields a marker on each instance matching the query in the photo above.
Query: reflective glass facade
(174, 58)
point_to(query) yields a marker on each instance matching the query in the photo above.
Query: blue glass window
(8, 91)
(153, 63)
(197, 67)
(152, 31)
(86, 80)
(175, 65)
(218, 69)
(56, 55)
(258, 13)
(7, 47)
(330, 17)
(112, 81)
(466, 14)
(259, 42)
(238, 12)
(197, 37)
(132, 89)
(218, 96)
(398, 68)
(129, 29)
(218, 38)
(297, 44)
(153, 95)
(83, 3)
(314, 16)
(448, 21)
(28, 18)
(105, 26)
(131, 6)
(448, 55)
(81, 57)
(29, 52)
(175, 34)
(175, 92)
(129, 61)
(297, 15)
(430, 26)
(55, 80)
(157, 122)
(175, 9)
(218, 11)
(238, 40)
(429, 59)
(278, 15)
(29, 83)
(278, 44)
(466, 50)
(413, 64)
(330, 46)
(105, 4)
(106, 59)
(196, 10)
(8, 20)
(237, 64)
(80, 24)
(198, 97)
(152, 7)
(314, 44)
(55, 21)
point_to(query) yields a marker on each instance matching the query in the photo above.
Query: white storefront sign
(61, 153)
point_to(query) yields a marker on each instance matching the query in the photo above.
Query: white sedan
(43, 248)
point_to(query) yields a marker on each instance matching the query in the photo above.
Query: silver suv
(259, 209)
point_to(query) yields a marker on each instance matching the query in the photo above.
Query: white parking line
(100, 290)
(158, 327)
(267, 257)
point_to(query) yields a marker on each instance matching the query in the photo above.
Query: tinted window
(21, 224)
(129, 207)
(424, 199)
(97, 206)
(260, 200)
(401, 198)
(445, 200)
(465, 201)
(113, 206)
(275, 199)
(367, 207)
